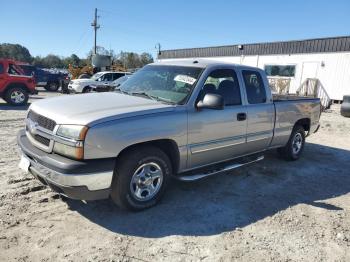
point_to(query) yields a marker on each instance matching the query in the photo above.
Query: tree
(101, 51)
(146, 58)
(74, 60)
(16, 52)
(133, 60)
(52, 61)
(37, 61)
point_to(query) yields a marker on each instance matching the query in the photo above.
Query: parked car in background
(185, 119)
(15, 86)
(44, 78)
(85, 85)
(110, 87)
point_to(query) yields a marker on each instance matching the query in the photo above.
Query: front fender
(110, 138)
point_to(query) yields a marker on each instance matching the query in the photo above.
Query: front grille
(43, 140)
(42, 120)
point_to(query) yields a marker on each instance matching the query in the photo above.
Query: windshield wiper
(117, 89)
(156, 98)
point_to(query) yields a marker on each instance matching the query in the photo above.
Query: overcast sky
(63, 27)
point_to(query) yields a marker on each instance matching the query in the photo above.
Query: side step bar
(223, 169)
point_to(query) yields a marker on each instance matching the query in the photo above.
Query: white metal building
(324, 59)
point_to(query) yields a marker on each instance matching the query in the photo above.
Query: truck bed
(291, 97)
(291, 108)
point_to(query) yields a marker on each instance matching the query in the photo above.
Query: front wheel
(140, 178)
(295, 145)
(17, 96)
(87, 89)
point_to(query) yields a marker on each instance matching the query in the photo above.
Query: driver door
(218, 135)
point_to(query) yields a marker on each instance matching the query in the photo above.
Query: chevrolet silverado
(186, 119)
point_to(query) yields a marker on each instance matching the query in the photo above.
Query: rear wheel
(295, 145)
(140, 179)
(52, 86)
(16, 96)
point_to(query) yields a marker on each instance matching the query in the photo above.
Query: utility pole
(96, 26)
(158, 47)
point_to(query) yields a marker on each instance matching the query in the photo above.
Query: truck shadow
(4, 106)
(226, 202)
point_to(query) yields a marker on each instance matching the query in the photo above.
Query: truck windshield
(165, 83)
(96, 76)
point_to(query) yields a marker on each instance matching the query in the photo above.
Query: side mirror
(212, 101)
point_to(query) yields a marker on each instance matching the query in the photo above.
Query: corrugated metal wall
(322, 45)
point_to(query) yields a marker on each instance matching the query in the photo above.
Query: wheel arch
(305, 123)
(16, 84)
(84, 88)
(168, 146)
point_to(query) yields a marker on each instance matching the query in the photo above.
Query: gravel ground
(269, 211)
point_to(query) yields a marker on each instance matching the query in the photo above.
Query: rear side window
(223, 82)
(1, 68)
(117, 75)
(255, 88)
(28, 70)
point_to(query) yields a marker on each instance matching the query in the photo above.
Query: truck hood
(95, 108)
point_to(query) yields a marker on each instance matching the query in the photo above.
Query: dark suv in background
(50, 81)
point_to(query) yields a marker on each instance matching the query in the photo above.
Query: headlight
(72, 131)
(70, 141)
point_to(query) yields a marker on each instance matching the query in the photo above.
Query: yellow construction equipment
(77, 71)
(88, 69)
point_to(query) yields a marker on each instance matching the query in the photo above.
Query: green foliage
(126, 59)
(133, 60)
(16, 52)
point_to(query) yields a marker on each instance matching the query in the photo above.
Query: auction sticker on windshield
(185, 79)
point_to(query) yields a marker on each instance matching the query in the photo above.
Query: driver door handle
(241, 116)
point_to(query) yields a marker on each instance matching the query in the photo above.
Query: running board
(218, 171)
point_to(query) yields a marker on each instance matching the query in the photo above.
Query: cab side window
(1, 68)
(223, 82)
(107, 77)
(255, 88)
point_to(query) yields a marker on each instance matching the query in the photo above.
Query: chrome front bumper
(86, 180)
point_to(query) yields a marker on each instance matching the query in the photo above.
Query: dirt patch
(271, 210)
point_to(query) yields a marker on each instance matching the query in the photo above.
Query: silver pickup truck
(184, 119)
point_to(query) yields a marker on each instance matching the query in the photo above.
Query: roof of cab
(201, 63)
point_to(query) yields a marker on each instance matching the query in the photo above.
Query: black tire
(52, 86)
(291, 151)
(126, 168)
(22, 96)
(345, 107)
(87, 89)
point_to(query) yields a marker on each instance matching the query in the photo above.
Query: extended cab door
(260, 111)
(218, 135)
